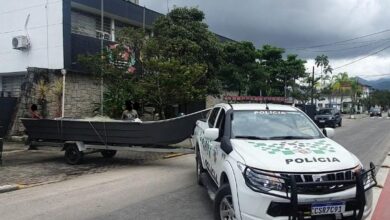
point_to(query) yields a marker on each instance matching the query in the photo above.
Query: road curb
(381, 179)
(9, 188)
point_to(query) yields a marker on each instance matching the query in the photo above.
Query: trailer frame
(75, 150)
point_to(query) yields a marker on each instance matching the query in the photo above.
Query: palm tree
(323, 62)
(341, 85)
(355, 92)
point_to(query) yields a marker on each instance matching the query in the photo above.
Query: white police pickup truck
(262, 161)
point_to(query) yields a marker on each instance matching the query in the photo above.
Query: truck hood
(313, 155)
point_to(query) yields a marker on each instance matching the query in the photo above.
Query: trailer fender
(80, 145)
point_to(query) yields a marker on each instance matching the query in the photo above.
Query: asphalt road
(367, 138)
(164, 189)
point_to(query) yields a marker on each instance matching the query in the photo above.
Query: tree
(341, 85)
(355, 92)
(380, 98)
(293, 69)
(240, 66)
(120, 66)
(323, 62)
(279, 74)
(271, 61)
(302, 90)
(181, 60)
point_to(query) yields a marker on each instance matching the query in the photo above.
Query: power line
(338, 42)
(362, 58)
(349, 48)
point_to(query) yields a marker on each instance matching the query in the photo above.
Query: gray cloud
(297, 23)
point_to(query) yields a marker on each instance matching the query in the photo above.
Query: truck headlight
(263, 181)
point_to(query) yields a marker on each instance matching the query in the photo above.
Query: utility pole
(101, 51)
(143, 19)
(312, 87)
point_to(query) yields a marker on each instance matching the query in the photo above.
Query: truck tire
(223, 205)
(72, 155)
(108, 153)
(340, 123)
(199, 168)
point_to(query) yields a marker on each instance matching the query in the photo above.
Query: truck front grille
(325, 177)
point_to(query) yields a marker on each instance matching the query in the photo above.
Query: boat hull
(162, 132)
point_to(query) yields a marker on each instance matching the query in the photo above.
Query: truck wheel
(108, 153)
(340, 123)
(72, 155)
(223, 206)
(199, 168)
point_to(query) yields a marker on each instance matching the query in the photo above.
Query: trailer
(78, 137)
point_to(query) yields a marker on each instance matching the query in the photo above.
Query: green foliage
(240, 67)
(249, 71)
(380, 98)
(323, 62)
(181, 60)
(303, 90)
(116, 65)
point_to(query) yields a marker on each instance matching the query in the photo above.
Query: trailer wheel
(108, 153)
(72, 155)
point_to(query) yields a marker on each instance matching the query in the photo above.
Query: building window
(106, 33)
(121, 25)
(88, 24)
(83, 23)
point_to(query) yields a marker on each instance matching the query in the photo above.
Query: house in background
(344, 103)
(40, 38)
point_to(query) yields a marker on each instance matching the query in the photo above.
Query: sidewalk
(355, 116)
(382, 211)
(25, 168)
(13, 146)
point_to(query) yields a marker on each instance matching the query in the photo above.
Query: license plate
(322, 121)
(327, 208)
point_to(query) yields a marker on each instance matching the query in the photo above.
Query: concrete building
(39, 38)
(344, 103)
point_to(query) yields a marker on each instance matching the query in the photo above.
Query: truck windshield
(273, 125)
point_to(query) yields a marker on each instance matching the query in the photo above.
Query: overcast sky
(295, 24)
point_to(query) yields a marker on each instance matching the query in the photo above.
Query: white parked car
(271, 161)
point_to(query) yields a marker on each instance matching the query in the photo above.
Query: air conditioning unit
(20, 42)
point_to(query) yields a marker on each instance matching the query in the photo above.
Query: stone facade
(82, 95)
(82, 92)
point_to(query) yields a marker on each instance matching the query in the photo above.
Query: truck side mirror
(328, 132)
(211, 133)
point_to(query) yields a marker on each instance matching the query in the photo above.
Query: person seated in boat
(129, 113)
(34, 112)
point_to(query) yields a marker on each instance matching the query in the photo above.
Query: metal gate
(7, 109)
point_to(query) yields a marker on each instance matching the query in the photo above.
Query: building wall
(81, 95)
(12, 85)
(44, 29)
(82, 91)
